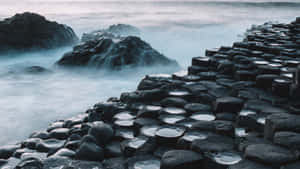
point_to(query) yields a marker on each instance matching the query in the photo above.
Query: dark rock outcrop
(114, 53)
(30, 31)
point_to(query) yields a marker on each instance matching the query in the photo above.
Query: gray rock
(90, 151)
(103, 133)
(179, 159)
(287, 139)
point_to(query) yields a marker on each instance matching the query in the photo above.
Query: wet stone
(114, 163)
(149, 130)
(185, 141)
(112, 149)
(178, 159)
(90, 151)
(30, 163)
(168, 135)
(173, 102)
(265, 81)
(196, 107)
(143, 162)
(228, 104)
(201, 61)
(222, 160)
(124, 123)
(103, 133)
(49, 145)
(123, 116)
(59, 133)
(64, 152)
(269, 154)
(124, 133)
(171, 119)
(213, 144)
(281, 86)
(247, 164)
(287, 139)
(173, 111)
(7, 151)
(203, 116)
(137, 146)
(149, 111)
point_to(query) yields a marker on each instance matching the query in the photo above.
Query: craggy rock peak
(115, 53)
(120, 30)
(30, 31)
(235, 108)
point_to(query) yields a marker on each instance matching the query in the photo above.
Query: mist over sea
(179, 29)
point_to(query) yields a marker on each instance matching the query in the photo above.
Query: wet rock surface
(235, 108)
(30, 31)
(114, 53)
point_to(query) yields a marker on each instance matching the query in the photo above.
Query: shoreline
(234, 108)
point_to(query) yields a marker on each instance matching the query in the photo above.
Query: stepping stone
(281, 87)
(59, 133)
(287, 139)
(201, 61)
(185, 141)
(228, 104)
(171, 119)
(270, 154)
(49, 145)
(281, 122)
(247, 164)
(149, 130)
(173, 102)
(168, 135)
(213, 144)
(143, 162)
(179, 159)
(149, 111)
(102, 132)
(222, 160)
(137, 146)
(196, 107)
(173, 111)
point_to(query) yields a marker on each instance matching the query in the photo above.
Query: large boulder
(115, 53)
(113, 30)
(29, 31)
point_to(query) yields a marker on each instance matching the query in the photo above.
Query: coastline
(233, 108)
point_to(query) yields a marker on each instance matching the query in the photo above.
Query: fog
(179, 29)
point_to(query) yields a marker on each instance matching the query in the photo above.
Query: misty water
(179, 29)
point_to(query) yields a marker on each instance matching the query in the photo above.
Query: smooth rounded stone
(124, 123)
(246, 94)
(204, 126)
(270, 154)
(31, 143)
(7, 151)
(281, 122)
(168, 135)
(281, 87)
(244, 75)
(140, 122)
(203, 117)
(103, 133)
(149, 111)
(149, 130)
(114, 163)
(226, 116)
(196, 107)
(195, 88)
(247, 164)
(228, 104)
(187, 123)
(185, 141)
(124, 116)
(287, 139)
(64, 152)
(213, 144)
(30, 163)
(19, 152)
(171, 119)
(143, 162)
(173, 111)
(124, 133)
(201, 61)
(10, 163)
(137, 146)
(37, 155)
(225, 67)
(224, 127)
(173, 102)
(265, 81)
(178, 159)
(222, 160)
(49, 144)
(112, 149)
(55, 125)
(59, 133)
(41, 134)
(266, 69)
(90, 151)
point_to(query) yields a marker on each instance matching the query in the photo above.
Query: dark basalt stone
(28, 31)
(228, 104)
(59, 133)
(112, 149)
(197, 107)
(168, 135)
(178, 159)
(115, 53)
(30, 163)
(142, 161)
(281, 122)
(173, 102)
(293, 165)
(90, 151)
(7, 151)
(213, 144)
(270, 154)
(287, 139)
(114, 163)
(103, 133)
(49, 145)
(247, 164)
